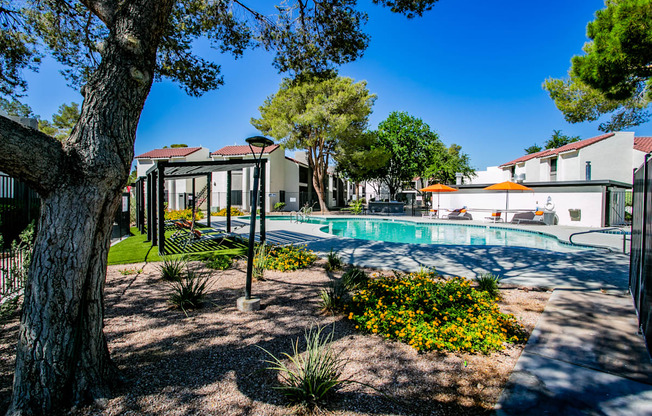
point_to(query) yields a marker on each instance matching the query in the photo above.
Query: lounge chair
(432, 213)
(496, 216)
(210, 234)
(529, 217)
(459, 214)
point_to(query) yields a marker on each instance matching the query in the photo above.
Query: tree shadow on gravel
(209, 362)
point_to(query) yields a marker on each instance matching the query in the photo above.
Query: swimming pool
(400, 231)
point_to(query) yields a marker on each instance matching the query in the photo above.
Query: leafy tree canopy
(412, 147)
(317, 115)
(558, 139)
(613, 75)
(533, 149)
(62, 122)
(360, 158)
(447, 164)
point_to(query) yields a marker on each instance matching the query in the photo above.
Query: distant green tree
(316, 115)
(613, 75)
(533, 149)
(62, 122)
(412, 147)
(15, 108)
(360, 158)
(446, 165)
(178, 145)
(558, 140)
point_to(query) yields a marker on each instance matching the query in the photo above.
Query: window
(281, 196)
(553, 169)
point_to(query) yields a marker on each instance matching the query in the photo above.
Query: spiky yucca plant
(312, 376)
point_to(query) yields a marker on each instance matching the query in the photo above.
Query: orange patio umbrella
(438, 187)
(507, 186)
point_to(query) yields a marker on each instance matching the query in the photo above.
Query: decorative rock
(248, 305)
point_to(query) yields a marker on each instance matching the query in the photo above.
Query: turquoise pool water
(398, 231)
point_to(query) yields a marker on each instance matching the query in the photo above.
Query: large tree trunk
(62, 355)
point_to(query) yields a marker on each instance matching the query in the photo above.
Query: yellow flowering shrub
(235, 212)
(285, 258)
(429, 312)
(182, 214)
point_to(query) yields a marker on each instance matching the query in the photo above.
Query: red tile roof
(566, 148)
(582, 143)
(168, 153)
(241, 150)
(295, 161)
(643, 144)
(525, 158)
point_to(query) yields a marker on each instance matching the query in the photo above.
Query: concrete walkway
(584, 357)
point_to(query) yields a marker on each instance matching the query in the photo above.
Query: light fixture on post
(247, 303)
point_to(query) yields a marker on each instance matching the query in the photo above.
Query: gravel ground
(208, 363)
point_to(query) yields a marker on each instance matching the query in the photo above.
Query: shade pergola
(155, 185)
(507, 186)
(438, 188)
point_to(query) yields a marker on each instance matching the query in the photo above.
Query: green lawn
(134, 249)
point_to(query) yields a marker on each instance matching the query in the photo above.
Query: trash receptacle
(549, 217)
(575, 214)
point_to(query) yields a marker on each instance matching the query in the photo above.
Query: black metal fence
(19, 206)
(12, 275)
(640, 271)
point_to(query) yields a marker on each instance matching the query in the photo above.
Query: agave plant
(313, 375)
(172, 268)
(189, 292)
(488, 282)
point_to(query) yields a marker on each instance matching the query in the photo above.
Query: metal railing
(11, 272)
(600, 230)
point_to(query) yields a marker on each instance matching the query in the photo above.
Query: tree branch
(30, 155)
(104, 9)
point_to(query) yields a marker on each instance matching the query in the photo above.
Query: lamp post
(246, 303)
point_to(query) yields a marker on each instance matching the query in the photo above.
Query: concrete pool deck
(584, 357)
(589, 269)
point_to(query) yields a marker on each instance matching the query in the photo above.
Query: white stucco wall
(610, 158)
(493, 174)
(588, 199)
(291, 186)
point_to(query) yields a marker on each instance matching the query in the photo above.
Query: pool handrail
(599, 230)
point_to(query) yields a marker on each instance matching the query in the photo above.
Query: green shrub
(217, 261)
(260, 262)
(488, 282)
(431, 313)
(279, 206)
(189, 292)
(356, 207)
(333, 261)
(287, 258)
(354, 278)
(172, 268)
(334, 297)
(312, 376)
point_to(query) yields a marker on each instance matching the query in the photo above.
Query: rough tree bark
(62, 355)
(319, 167)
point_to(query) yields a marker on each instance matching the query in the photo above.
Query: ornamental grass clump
(288, 258)
(312, 376)
(189, 292)
(488, 282)
(172, 268)
(333, 261)
(429, 312)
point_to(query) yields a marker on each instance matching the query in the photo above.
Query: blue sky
(471, 69)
